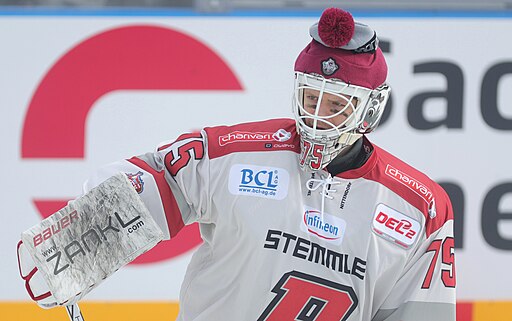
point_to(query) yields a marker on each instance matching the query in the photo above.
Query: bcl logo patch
(324, 226)
(395, 226)
(259, 181)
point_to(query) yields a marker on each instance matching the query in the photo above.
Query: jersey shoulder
(259, 136)
(414, 187)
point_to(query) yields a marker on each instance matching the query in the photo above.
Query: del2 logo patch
(395, 226)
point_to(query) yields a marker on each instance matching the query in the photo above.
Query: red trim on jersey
(262, 136)
(195, 134)
(413, 186)
(171, 209)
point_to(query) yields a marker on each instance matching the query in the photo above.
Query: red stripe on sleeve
(171, 209)
(260, 136)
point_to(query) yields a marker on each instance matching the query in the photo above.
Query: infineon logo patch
(259, 181)
(395, 226)
(326, 227)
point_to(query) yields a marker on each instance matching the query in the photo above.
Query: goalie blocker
(69, 253)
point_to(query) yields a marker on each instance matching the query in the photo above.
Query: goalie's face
(325, 110)
(331, 115)
(323, 118)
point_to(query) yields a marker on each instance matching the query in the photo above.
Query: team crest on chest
(136, 180)
(329, 66)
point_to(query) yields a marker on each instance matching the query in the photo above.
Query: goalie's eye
(312, 97)
(329, 105)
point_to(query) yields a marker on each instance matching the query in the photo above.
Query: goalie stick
(74, 312)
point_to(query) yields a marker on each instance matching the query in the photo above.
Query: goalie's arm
(426, 288)
(173, 181)
(173, 194)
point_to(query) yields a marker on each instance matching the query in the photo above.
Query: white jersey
(281, 243)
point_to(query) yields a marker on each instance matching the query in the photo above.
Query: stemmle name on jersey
(303, 249)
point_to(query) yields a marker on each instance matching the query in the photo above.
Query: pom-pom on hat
(336, 27)
(343, 49)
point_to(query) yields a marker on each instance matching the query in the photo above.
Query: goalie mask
(340, 91)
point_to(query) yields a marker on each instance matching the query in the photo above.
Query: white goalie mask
(331, 115)
(340, 87)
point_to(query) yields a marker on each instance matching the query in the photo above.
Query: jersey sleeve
(173, 181)
(426, 289)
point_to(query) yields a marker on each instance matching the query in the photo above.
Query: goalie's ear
(35, 284)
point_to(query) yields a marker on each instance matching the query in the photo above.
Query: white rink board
(260, 51)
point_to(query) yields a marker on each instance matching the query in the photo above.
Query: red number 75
(446, 248)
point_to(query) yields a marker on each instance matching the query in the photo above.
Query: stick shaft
(74, 312)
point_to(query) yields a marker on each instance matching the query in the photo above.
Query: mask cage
(366, 107)
(356, 98)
